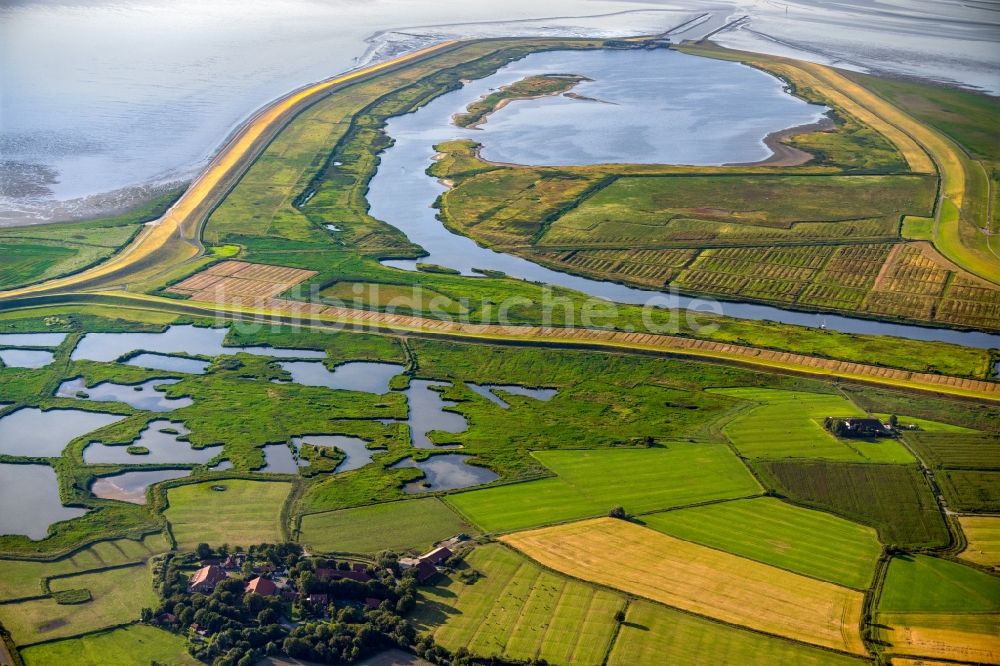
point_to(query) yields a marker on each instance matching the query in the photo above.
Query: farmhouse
(206, 578)
(859, 427)
(261, 586)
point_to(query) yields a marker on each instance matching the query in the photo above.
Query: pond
(489, 391)
(164, 447)
(352, 376)
(25, 358)
(278, 459)
(29, 495)
(182, 339)
(32, 339)
(131, 486)
(446, 472)
(356, 449)
(32, 432)
(733, 100)
(146, 396)
(191, 366)
(427, 413)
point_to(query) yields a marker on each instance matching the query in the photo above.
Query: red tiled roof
(261, 586)
(438, 555)
(425, 570)
(207, 576)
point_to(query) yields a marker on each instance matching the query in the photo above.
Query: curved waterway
(658, 106)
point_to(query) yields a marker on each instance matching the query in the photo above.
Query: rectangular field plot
(971, 490)
(242, 279)
(924, 584)
(965, 637)
(589, 483)
(237, 512)
(117, 597)
(23, 578)
(405, 525)
(789, 424)
(641, 209)
(983, 536)
(517, 610)
(136, 645)
(768, 530)
(701, 580)
(894, 499)
(655, 634)
(968, 449)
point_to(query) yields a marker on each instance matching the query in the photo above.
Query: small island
(532, 87)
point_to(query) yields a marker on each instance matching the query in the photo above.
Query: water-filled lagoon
(32, 339)
(25, 358)
(191, 366)
(164, 447)
(278, 459)
(351, 376)
(489, 391)
(181, 339)
(402, 194)
(34, 433)
(29, 495)
(131, 486)
(147, 396)
(446, 472)
(355, 449)
(427, 413)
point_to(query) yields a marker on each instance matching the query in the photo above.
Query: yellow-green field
(244, 513)
(137, 645)
(709, 582)
(517, 610)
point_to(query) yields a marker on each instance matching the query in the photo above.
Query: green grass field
(245, 513)
(969, 450)
(971, 490)
(894, 499)
(789, 424)
(405, 525)
(773, 532)
(589, 483)
(655, 634)
(117, 597)
(137, 645)
(920, 583)
(517, 610)
(23, 578)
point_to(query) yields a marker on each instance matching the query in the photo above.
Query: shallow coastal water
(32, 339)
(29, 495)
(131, 486)
(446, 472)
(34, 433)
(278, 459)
(164, 447)
(147, 396)
(402, 194)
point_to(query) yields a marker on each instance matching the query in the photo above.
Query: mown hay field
(894, 499)
(244, 513)
(709, 582)
(789, 424)
(517, 610)
(589, 483)
(971, 490)
(983, 536)
(773, 532)
(655, 634)
(405, 525)
(964, 637)
(23, 578)
(968, 449)
(118, 595)
(135, 645)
